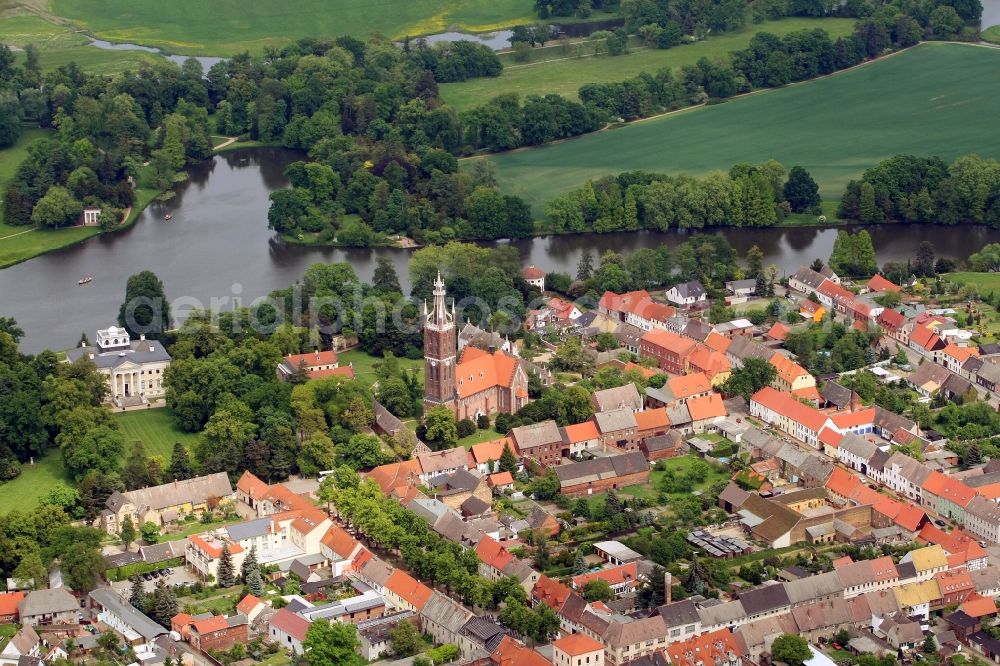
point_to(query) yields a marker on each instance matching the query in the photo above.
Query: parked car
(940, 523)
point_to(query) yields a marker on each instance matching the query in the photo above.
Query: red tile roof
(492, 450)
(532, 272)
(613, 575)
(312, 359)
(880, 284)
(478, 371)
(550, 592)
(706, 407)
(576, 645)
(247, 604)
(788, 370)
(778, 331)
(583, 432)
(976, 605)
(339, 541)
(9, 602)
(395, 475)
(408, 589)
(512, 653)
(649, 419)
(492, 554)
(949, 488)
(689, 385)
(499, 479)
(344, 371)
(708, 361)
(785, 404)
(294, 625)
(208, 625)
(709, 648)
(926, 338)
(718, 342)
(848, 420)
(830, 437)
(670, 342)
(214, 549)
(252, 486)
(954, 543)
(890, 319)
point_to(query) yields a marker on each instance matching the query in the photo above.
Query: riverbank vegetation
(906, 188)
(747, 196)
(927, 100)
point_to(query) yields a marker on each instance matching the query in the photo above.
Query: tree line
(907, 188)
(747, 196)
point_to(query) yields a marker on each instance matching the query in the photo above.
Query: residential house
(21, 647)
(55, 606)
(669, 445)
(622, 579)
(805, 280)
(618, 428)
(580, 437)
(539, 441)
(315, 365)
(744, 288)
(880, 285)
(626, 641)
(687, 294)
(251, 607)
(678, 390)
(785, 412)
(947, 496)
(288, 630)
(8, 607)
(927, 562)
(445, 462)
(577, 650)
(167, 502)
(600, 474)
(670, 350)
(651, 423)
(790, 375)
(534, 276)
(706, 412)
(621, 397)
(134, 626)
(486, 455)
(443, 618)
(718, 648)
(982, 518)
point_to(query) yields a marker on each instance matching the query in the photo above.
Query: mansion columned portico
(134, 369)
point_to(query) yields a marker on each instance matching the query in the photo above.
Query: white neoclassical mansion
(134, 368)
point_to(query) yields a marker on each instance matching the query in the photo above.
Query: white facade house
(687, 294)
(134, 369)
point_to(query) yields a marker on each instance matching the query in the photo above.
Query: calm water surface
(217, 246)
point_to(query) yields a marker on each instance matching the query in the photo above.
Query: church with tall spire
(474, 383)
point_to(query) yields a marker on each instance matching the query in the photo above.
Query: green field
(564, 75)
(33, 482)
(987, 283)
(930, 100)
(991, 34)
(60, 44)
(156, 430)
(226, 27)
(364, 365)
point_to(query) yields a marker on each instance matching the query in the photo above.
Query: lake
(217, 247)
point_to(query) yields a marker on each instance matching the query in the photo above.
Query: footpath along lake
(217, 245)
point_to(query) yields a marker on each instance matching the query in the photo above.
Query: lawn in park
(929, 100)
(364, 365)
(34, 481)
(564, 75)
(227, 27)
(155, 428)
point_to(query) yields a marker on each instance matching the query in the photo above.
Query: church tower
(440, 350)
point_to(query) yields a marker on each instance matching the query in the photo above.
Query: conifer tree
(255, 583)
(128, 532)
(138, 596)
(249, 563)
(508, 462)
(180, 464)
(164, 603)
(227, 574)
(579, 566)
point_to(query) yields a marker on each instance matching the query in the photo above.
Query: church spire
(439, 316)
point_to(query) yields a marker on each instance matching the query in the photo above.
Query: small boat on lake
(85, 280)
(167, 216)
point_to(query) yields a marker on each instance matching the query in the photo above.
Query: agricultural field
(227, 27)
(560, 73)
(986, 283)
(155, 428)
(60, 44)
(929, 100)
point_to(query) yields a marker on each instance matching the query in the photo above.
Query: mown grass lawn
(987, 283)
(564, 75)
(155, 428)
(929, 100)
(33, 482)
(227, 27)
(479, 437)
(364, 365)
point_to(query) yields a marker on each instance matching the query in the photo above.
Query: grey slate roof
(385, 419)
(989, 371)
(249, 529)
(698, 330)
(679, 613)
(626, 396)
(41, 602)
(693, 289)
(445, 612)
(763, 599)
(110, 601)
(678, 415)
(858, 446)
(835, 393)
(142, 351)
(596, 469)
(615, 420)
(537, 434)
(196, 491)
